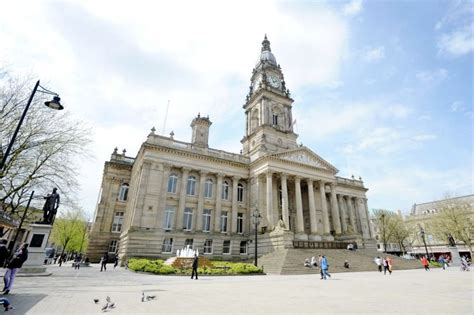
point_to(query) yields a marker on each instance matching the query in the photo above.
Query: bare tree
(401, 232)
(47, 148)
(455, 218)
(386, 223)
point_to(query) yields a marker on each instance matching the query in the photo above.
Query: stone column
(363, 219)
(351, 213)
(162, 197)
(182, 199)
(284, 196)
(198, 219)
(342, 213)
(269, 201)
(336, 220)
(217, 219)
(312, 212)
(324, 208)
(299, 210)
(235, 182)
(369, 225)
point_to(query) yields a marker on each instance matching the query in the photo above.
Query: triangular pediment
(304, 155)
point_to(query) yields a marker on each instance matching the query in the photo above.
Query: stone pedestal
(301, 237)
(455, 257)
(37, 240)
(313, 237)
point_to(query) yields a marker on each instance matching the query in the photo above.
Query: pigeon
(143, 296)
(150, 297)
(112, 305)
(96, 301)
(105, 307)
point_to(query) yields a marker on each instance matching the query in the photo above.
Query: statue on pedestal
(451, 241)
(50, 207)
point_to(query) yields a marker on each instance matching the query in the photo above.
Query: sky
(382, 89)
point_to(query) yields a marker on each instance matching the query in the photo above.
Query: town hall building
(176, 193)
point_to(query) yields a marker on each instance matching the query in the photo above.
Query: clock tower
(269, 122)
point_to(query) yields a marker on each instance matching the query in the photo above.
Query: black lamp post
(12, 245)
(422, 233)
(383, 233)
(256, 218)
(53, 104)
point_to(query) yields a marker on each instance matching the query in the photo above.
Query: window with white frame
(240, 223)
(117, 222)
(206, 220)
(191, 186)
(208, 247)
(113, 246)
(225, 191)
(243, 247)
(224, 222)
(169, 216)
(123, 192)
(189, 242)
(167, 245)
(240, 192)
(226, 248)
(188, 219)
(172, 183)
(208, 188)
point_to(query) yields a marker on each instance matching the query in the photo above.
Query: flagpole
(166, 116)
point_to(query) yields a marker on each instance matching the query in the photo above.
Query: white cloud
(424, 137)
(432, 77)
(374, 54)
(457, 43)
(398, 111)
(457, 106)
(354, 7)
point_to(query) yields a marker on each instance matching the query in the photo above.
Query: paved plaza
(70, 291)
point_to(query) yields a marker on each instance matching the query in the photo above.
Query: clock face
(274, 81)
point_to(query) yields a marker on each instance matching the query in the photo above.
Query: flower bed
(215, 268)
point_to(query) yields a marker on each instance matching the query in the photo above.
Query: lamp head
(55, 103)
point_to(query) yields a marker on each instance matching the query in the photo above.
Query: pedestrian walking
(77, 262)
(425, 263)
(389, 264)
(16, 263)
(103, 262)
(320, 258)
(4, 252)
(378, 262)
(195, 267)
(385, 266)
(325, 267)
(116, 261)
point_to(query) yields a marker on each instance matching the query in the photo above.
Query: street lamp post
(12, 245)
(383, 233)
(422, 233)
(256, 217)
(54, 104)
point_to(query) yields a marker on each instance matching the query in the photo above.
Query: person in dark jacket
(16, 263)
(4, 253)
(195, 267)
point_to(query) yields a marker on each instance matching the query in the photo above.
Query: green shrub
(166, 270)
(241, 268)
(137, 264)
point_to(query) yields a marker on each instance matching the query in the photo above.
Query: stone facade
(181, 193)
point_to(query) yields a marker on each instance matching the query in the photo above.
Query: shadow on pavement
(23, 302)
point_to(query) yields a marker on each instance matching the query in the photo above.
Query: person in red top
(425, 263)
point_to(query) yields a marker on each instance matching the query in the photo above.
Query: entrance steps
(291, 261)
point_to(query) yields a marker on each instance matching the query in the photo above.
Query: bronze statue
(451, 241)
(50, 207)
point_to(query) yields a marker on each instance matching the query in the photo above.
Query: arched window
(275, 119)
(123, 192)
(208, 188)
(240, 193)
(225, 191)
(172, 183)
(191, 186)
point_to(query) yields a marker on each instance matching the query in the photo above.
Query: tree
(386, 221)
(69, 231)
(47, 148)
(401, 232)
(454, 218)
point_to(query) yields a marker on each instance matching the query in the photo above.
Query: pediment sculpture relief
(305, 158)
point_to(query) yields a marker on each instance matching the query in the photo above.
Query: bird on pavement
(96, 301)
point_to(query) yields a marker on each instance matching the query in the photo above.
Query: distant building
(176, 193)
(392, 248)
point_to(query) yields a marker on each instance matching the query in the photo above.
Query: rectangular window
(167, 245)
(118, 222)
(240, 223)
(113, 246)
(188, 219)
(208, 189)
(224, 222)
(275, 119)
(206, 220)
(188, 242)
(172, 183)
(168, 221)
(226, 248)
(243, 247)
(208, 247)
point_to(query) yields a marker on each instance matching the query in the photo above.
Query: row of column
(342, 206)
(197, 219)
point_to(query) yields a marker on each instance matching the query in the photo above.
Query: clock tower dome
(269, 122)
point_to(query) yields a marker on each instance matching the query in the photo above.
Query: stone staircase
(290, 261)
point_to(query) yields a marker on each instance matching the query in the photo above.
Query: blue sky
(382, 89)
